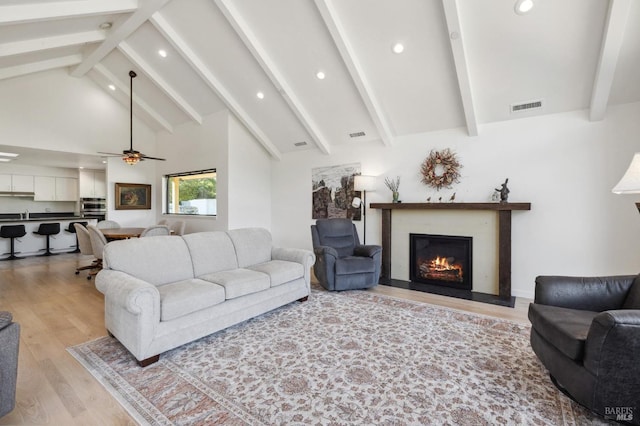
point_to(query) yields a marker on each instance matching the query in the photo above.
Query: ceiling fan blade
(146, 157)
(113, 154)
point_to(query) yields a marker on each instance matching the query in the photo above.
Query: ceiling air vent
(526, 106)
(356, 134)
(303, 143)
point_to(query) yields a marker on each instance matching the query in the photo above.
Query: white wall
(563, 164)
(193, 147)
(249, 180)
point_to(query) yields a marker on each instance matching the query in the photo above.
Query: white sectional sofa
(162, 292)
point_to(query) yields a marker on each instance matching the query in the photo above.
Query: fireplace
(442, 260)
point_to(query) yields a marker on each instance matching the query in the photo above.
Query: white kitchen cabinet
(44, 188)
(22, 183)
(92, 184)
(5, 183)
(66, 189)
(16, 183)
(47, 188)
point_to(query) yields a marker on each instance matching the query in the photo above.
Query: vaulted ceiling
(465, 62)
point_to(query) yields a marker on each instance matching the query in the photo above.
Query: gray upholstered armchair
(341, 262)
(586, 332)
(9, 342)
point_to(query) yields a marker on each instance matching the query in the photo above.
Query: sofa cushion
(184, 297)
(253, 245)
(239, 282)
(211, 252)
(166, 259)
(279, 271)
(564, 328)
(354, 265)
(632, 301)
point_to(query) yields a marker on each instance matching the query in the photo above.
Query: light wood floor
(57, 309)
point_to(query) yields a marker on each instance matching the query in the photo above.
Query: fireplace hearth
(441, 260)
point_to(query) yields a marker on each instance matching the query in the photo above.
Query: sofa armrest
(128, 292)
(611, 354)
(367, 251)
(585, 293)
(304, 257)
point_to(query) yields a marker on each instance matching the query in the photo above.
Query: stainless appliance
(93, 208)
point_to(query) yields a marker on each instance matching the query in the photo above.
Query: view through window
(191, 193)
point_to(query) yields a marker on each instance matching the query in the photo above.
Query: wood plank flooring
(57, 309)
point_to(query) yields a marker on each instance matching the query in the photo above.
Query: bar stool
(13, 232)
(72, 229)
(48, 229)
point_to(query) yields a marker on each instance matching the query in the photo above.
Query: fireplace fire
(441, 260)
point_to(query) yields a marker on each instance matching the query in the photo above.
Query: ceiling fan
(131, 156)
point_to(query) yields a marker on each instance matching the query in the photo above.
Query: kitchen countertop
(38, 217)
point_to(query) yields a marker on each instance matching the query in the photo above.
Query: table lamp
(630, 182)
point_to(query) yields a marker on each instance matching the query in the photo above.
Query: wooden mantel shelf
(504, 233)
(451, 206)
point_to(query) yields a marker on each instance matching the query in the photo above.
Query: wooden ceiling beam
(198, 65)
(269, 67)
(454, 27)
(349, 57)
(161, 83)
(33, 12)
(118, 34)
(32, 67)
(612, 40)
(53, 42)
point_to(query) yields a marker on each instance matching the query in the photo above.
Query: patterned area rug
(342, 358)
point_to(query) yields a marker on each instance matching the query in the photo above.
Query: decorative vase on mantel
(396, 196)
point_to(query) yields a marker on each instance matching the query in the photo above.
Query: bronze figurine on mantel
(504, 192)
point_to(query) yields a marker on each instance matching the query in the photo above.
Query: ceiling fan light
(131, 160)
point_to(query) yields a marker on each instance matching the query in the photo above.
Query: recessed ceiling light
(106, 26)
(320, 75)
(104, 161)
(8, 154)
(398, 48)
(260, 95)
(162, 53)
(523, 6)
(112, 86)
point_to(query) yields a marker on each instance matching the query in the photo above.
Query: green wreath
(441, 169)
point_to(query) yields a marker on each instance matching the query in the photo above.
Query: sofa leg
(304, 299)
(149, 361)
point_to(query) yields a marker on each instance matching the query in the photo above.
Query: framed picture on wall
(133, 196)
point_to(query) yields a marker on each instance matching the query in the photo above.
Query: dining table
(121, 233)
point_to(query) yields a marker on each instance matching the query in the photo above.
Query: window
(191, 193)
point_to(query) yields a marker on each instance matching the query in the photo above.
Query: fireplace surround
(444, 260)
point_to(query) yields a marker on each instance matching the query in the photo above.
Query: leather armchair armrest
(585, 293)
(611, 352)
(367, 251)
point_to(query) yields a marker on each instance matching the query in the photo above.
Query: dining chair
(163, 222)
(84, 243)
(178, 227)
(98, 241)
(155, 230)
(108, 224)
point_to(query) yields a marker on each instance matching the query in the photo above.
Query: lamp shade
(630, 182)
(364, 183)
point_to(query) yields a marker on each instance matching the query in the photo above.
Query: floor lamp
(630, 182)
(364, 184)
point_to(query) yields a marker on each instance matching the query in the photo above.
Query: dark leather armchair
(341, 262)
(586, 332)
(9, 343)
